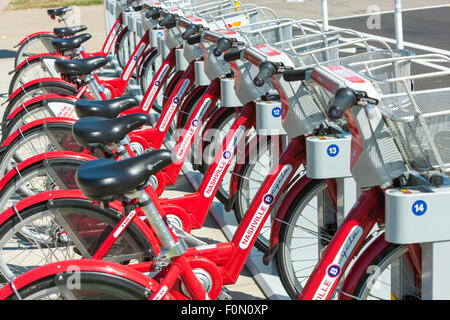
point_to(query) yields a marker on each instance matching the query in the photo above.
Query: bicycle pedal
(224, 294)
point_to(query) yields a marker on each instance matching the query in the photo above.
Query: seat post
(96, 89)
(174, 248)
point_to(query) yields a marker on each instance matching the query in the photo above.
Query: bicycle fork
(347, 241)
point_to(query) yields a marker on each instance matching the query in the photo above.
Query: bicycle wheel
(148, 71)
(391, 276)
(307, 228)
(252, 173)
(123, 51)
(47, 175)
(36, 90)
(89, 286)
(34, 45)
(42, 138)
(42, 67)
(212, 142)
(65, 229)
(52, 107)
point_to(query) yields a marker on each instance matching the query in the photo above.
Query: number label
(333, 150)
(419, 207)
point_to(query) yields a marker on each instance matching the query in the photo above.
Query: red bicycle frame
(224, 261)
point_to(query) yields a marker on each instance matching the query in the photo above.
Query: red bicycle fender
(38, 56)
(120, 35)
(32, 82)
(86, 265)
(171, 85)
(141, 61)
(36, 99)
(238, 165)
(187, 100)
(360, 266)
(40, 197)
(28, 37)
(41, 157)
(285, 204)
(34, 124)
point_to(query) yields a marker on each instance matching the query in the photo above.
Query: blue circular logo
(419, 207)
(333, 271)
(333, 150)
(268, 199)
(176, 100)
(276, 112)
(194, 123)
(226, 154)
(157, 83)
(135, 58)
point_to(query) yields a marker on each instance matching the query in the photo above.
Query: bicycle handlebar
(223, 44)
(191, 29)
(232, 56)
(295, 75)
(194, 39)
(344, 99)
(266, 71)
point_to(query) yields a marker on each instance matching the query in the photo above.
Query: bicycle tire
(207, 141)
(38, 89)
(28, 180)
(61, 133)
(284, 260)
(29, 41)
(84, 217)
(390, 255)
(242, 196)
(90, 286)
(148, 67)
(36, 111)
(37, 63)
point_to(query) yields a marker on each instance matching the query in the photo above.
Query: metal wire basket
(419, 121)
(307, 107)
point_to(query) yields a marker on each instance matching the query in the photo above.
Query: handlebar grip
(153, 13)
(191, 29)
(232, 56)
(194, 40)
(168, 21)
(266, 71)
(344, 99)
(138, 8)
(295, 75)
(223, 44)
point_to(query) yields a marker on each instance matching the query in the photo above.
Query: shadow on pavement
(6, 54)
